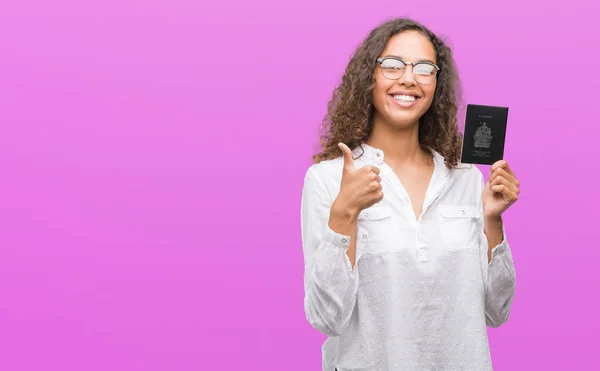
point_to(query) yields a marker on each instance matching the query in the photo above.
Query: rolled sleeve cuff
(502, 248)
(343, 241)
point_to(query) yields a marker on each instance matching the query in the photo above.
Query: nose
(407, 77)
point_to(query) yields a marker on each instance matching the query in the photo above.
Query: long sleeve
(499, 278)
(500, 284)
(330, 283)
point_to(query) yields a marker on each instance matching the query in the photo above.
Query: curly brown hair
(350, 110)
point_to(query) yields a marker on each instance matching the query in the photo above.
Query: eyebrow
(400, 57)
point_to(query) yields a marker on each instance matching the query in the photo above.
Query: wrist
(492, 224)
(492, 218)
(343, 211)
(343, 219)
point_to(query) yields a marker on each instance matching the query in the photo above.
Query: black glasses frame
(413, 64)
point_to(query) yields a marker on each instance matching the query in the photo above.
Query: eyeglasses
(393, 68)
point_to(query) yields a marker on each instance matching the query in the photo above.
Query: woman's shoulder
(324, 178)
(326, 171)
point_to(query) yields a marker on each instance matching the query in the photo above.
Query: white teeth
(405, 98)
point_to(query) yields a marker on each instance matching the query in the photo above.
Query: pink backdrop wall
(152, 155)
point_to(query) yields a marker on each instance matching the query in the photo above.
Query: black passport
(485, 133)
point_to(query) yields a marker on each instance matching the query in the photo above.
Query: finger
(501, 180)
(348, 160)
(376, 186)
(498, 164)
(502, 164)
(509, 176)
(370, 169)
(507, 193)
(373, 176)
(503, 173)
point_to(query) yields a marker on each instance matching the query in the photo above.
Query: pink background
(152, 155)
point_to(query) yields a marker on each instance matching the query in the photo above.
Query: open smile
(404, 100)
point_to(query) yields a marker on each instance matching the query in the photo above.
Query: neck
(401, 146)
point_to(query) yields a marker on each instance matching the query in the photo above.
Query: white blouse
(422, 291)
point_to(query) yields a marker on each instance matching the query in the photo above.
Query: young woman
(406, 258)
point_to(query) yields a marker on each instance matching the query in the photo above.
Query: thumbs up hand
(360, 188)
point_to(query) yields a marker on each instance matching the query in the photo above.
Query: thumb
(348, 161)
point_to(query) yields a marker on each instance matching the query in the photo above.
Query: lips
(404, 94)
(404, 99)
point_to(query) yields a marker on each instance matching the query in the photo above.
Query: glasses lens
(424, 73)
(392, 68)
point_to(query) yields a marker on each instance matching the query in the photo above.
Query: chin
(404, 120)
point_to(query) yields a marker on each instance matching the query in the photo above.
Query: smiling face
(400, 103)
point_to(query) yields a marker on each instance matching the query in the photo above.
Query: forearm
(493, 233)
(343, 220)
